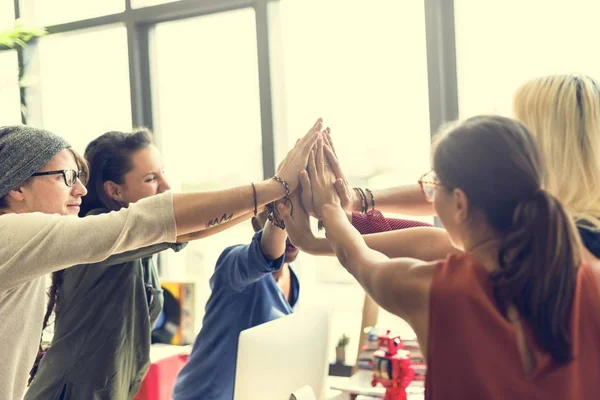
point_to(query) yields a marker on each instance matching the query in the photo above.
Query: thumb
(284, 210)
(306, 195)
(340, 186)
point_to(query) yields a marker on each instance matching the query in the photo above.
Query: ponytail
(538, 261)
(57, 280)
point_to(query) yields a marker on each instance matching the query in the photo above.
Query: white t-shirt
(35, 244)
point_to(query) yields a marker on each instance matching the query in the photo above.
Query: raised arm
(424, 243)
(242, 265)
(215, 229)
(35, 244)
(198, 211)
(401, 285)
(406, 199)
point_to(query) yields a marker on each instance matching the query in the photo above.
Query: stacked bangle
(272, 213)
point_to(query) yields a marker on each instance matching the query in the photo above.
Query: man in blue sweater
(252, 284)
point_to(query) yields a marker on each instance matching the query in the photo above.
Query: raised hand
(297, 224)
(347, 196)
(306, 194)
(321, 179)
(296, 159)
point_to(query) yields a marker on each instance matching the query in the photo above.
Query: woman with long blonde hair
(563, 112)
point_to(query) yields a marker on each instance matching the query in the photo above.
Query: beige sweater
(33, 245)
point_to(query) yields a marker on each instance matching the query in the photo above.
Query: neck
(13, 210)
(483, 243)
(282, 272)
(486, 252)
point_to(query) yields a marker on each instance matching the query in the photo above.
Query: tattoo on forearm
(217, 221)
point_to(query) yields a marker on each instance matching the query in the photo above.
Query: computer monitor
(277, 358)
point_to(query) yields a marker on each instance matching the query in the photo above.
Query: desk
(340, 388)
(168, 360)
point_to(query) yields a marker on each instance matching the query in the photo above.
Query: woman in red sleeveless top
(517, 315)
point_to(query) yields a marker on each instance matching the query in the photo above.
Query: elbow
(273, 255)
(343, 258)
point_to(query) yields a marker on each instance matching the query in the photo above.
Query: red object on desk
(391, 367)
(159, 382)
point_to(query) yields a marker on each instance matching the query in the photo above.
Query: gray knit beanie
(23, 151)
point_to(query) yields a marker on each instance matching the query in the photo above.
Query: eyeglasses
(429, 183)
(69, 175)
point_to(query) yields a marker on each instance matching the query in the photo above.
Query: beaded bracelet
(272, 213)
(255, 201)
(372, 198)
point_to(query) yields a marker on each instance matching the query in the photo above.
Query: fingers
(319, 157)
(340, 187)
(306, 196)
(318, 125)
(312, 168)
(333, 163)
(330, 140)
(311, 137)
(285, 209)
(311, 141)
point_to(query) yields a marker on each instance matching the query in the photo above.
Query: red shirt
(374, 221)
(472, 349)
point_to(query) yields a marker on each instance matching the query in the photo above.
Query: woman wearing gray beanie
(40, 193)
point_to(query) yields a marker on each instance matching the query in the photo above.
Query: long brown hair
(496, 162)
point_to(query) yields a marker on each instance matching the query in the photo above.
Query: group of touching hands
(320, 186)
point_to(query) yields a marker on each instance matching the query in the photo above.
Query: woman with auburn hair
(515, 315)
(563, 114)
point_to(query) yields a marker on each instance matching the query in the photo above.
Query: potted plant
(340, 350)
(15, 38)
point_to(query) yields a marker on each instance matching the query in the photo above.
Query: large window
(208, 120)
(10, 111)
(10, 106)
(7, 14)
(362, 67)
(45, 12)
(84, 84)
(147, 3)
(524, 39)
(364, 70)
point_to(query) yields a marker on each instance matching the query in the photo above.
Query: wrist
(357, 204)
(350, 215)
(268, 191)
(329, 211)
(306, 242)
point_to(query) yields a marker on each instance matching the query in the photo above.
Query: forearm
(406, 199)
(198, 211)
(272, 242)
(314, 246)
(215, 229)
(374, 222)
(346, 242)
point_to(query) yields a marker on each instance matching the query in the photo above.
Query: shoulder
(457, 271)
(590, 238)
(97, 211)
(12, 224)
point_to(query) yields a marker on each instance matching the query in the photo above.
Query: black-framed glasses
(70, 176)
(429, 184)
